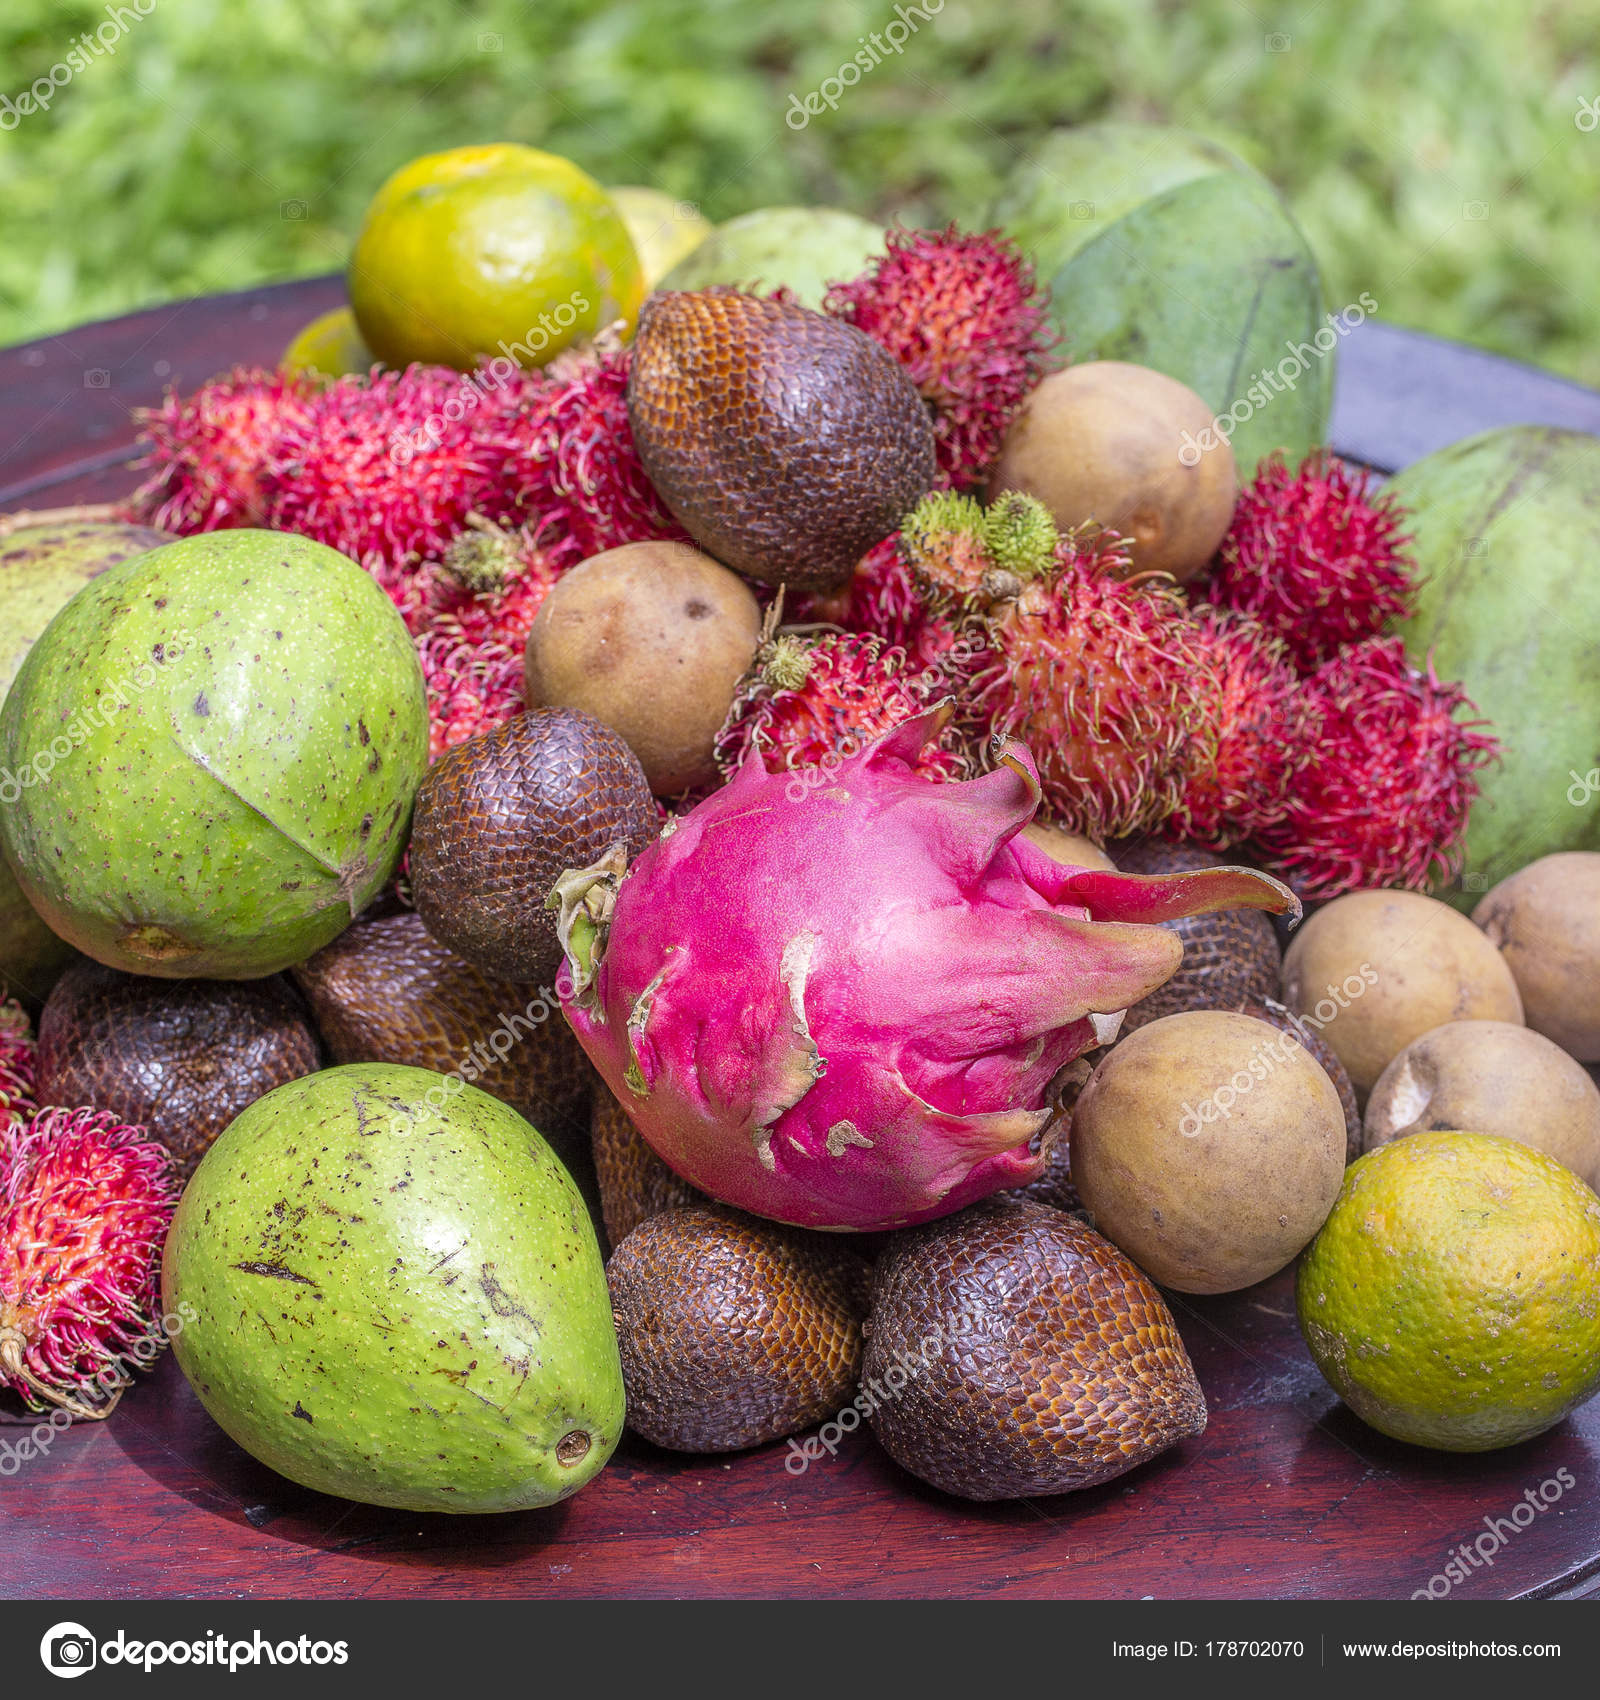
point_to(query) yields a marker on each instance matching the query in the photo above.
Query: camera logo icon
(68, 1649)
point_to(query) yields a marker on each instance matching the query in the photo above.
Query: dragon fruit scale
(842, 1005)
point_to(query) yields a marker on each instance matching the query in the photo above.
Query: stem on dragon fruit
(12, 1341)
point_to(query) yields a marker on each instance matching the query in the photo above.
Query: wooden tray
(1285, 1496)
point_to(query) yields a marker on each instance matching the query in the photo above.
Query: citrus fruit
(329, 347)
(663, 230)
(1452, 1298)
(496, 251)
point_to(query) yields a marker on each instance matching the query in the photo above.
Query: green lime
(1452, 1298)
(491, 252)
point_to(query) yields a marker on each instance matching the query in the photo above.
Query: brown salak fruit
(1229, 958)
(387, 991)
(1277, 1015)
(734, 1331)
(502, 816)
(786, 443)
(179, 1057)
(1053, 1185)
(634, 1183)
(1012, 1351)
(1545, 921)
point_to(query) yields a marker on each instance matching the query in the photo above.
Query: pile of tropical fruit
(794, 751)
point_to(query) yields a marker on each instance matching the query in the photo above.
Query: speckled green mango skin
(209, 757)
(803, 249)
(1164, 249)
(41, 569)
(394, 1303)
(1506, 529)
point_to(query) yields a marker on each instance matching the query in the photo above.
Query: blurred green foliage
(1431, 150)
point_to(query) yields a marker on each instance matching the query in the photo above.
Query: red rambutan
(1096, 673)
(880, 597)
(487, 586)
(810, 703)
(209, 452)
(472, 686)
(585, 483)
(17, 1062)
(388, 470)
(1391, 775)
(1261, 711)
(961, 314)
(85, 1204)
(1314, 557)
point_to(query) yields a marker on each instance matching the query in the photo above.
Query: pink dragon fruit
(842, 1005)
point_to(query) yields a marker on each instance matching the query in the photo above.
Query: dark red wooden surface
(1286, 1495)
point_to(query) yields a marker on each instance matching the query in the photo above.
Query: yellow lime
(663, 230)
(1452, 1298)
(498, 251)
(330, 345)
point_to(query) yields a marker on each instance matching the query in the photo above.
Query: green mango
(1506, 529)
(1164, 249)
(208, 760)
(804, 249)
(42, 567)
(394, 1294)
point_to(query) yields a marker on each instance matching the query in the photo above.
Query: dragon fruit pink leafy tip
(842, 1005)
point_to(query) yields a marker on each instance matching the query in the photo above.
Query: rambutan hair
(1391, 775)
(1097, 673)
(389, 469)
(880, 598)
(473, 685)
(208, 453)
(487, 586)
(1260, 709)
(962, 314)
(809, 703)
(1097, 676)
(1315, 557)
(585, 484)
(85, 1204)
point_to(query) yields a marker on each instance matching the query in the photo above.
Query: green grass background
(1429, 147)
